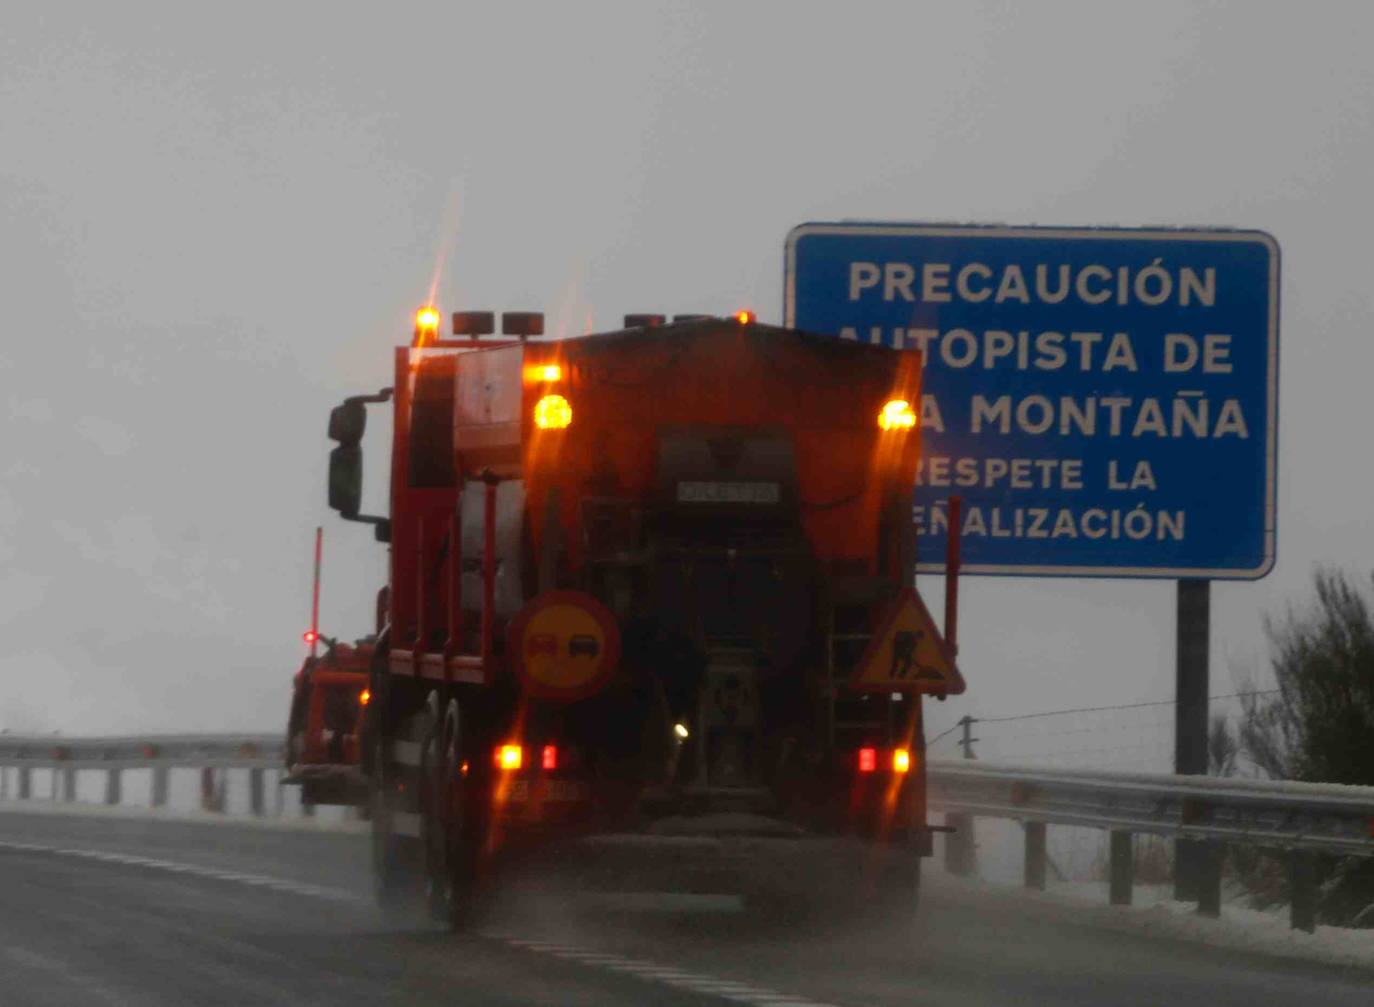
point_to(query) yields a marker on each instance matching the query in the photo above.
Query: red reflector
(868, 760)
(550, 760)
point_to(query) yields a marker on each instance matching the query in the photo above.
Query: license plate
(755, 493)
(550, 791)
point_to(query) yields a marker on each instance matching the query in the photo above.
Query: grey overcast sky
(215, 219)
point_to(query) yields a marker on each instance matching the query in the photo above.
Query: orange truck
(657, 575)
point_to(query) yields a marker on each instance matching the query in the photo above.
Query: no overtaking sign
(1104, 400)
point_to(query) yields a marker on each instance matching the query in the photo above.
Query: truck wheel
(452, 833)
(397, 853)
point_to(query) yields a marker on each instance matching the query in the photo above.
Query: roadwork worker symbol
(907, 654)
(903, 653)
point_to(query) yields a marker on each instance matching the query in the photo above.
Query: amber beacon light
(427, 323)
(897, 415)
(552, 412)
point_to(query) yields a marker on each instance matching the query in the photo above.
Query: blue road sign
(1104, 400)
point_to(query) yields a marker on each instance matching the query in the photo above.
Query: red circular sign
(564, 645)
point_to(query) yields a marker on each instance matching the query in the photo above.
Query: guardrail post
(1035, 855)
(1302, 891)
(4, 783)
(68, 784)
(25, 783)
(1208, 866)
(114, 790)
(959, 858)
(160, 774)
(255, 792)
(1122, 868)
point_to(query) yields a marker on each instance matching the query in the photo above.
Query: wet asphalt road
(116, 911)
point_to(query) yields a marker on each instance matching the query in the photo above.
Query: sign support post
(1191, 857)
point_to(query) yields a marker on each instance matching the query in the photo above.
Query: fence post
(68, 784)
(255, 793)
(25, 782)
(1035, 856)
(959, 844)
(1302, 891)
(113, 786)
(1122, 860)
(160, 774)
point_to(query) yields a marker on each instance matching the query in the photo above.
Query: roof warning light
(427, 323)
(897, 415)
(552, 412)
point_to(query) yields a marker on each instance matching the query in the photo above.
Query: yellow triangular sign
(907, 654)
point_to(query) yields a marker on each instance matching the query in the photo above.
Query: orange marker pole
(952, 575)
(315, 600)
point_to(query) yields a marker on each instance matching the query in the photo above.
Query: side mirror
(345, 476)
(348, 422)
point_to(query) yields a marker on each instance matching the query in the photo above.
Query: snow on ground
(1152, 912)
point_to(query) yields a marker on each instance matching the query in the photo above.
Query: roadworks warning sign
(908, 654)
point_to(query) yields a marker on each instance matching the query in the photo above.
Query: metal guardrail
(160, 752)
(1321, 817)
(1295, 819)
(182, 751)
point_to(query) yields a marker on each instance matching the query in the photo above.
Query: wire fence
(1126, 736)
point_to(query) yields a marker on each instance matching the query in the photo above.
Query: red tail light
(550, 757)
(868, 760)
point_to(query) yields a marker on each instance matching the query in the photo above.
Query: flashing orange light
(552, 412)
(365, 697)
(897, 415)
(427, 321)
(868, 760)
(901, 760)
(746, 317)
(550, 757)
(510, 757)
(310, 636)
(545, 373)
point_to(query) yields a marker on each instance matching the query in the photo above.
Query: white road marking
(725, 989)
(178, 867)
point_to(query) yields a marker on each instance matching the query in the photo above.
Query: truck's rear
(637, 582)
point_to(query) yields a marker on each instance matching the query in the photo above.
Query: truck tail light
(549, 760)
(510, 757)
(901, 760)
(868, 760)
(552, 412)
